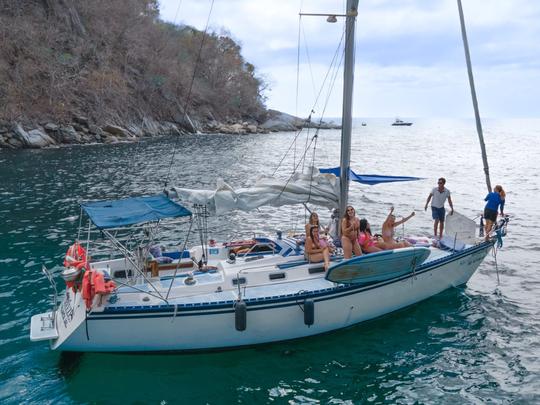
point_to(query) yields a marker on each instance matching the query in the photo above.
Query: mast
(473, 94)
(346, 120)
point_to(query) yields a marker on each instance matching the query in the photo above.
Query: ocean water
(475, 344)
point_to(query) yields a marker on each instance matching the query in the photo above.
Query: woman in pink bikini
(367, 242)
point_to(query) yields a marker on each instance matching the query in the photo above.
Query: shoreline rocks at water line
(81, 131)
(280, 121)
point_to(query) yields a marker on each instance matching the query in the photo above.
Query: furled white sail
(314, 188)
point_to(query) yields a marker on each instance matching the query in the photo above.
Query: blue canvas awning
(370, 179)
(130, 211)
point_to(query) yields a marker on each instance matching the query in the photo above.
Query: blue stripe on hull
(256, 304)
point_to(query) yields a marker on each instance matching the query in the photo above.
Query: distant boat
(364, 124)
(399, 122)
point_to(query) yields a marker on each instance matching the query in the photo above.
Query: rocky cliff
(78, 71)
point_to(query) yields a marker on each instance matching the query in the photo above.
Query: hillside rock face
(80, 72)
(35, 138)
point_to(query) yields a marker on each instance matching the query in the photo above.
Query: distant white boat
(400, 123)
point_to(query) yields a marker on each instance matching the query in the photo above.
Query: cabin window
(241, 280)
(122, 274)
(251, 258)
(276, 276)
(315, 270)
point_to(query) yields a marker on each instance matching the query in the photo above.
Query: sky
(409, 54)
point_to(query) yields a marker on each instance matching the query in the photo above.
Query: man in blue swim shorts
(439, 194)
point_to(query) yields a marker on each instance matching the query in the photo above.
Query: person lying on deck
(317, 249)
(388, 231)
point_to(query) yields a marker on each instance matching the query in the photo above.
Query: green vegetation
(115, 61)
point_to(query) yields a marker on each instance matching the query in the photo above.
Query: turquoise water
(473, 344)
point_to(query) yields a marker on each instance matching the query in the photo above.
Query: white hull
(270, 321)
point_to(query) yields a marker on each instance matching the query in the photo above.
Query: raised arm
(390, 213)
(397, 223)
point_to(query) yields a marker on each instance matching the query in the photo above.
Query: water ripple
(473, 345)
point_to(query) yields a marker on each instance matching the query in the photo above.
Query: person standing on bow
(439, 194)
(494, 200)
(350, 226)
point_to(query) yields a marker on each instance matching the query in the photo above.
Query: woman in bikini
(349, 234)
(365, 239)
(313, 221)
(316, 249)
(388, 230)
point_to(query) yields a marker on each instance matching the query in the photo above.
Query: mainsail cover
(314, 188)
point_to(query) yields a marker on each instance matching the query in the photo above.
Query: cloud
(410, 58)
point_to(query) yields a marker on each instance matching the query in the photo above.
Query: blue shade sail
(370, 179)
(130, 211)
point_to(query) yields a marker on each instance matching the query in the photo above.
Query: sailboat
(241, 293)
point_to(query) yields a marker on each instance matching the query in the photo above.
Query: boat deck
(138, 297)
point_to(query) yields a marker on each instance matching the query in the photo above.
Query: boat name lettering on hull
(66, 311)
(474, 259)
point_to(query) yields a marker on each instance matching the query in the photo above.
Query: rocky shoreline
(15, 135)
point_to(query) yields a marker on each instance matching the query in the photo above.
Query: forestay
(318, 188)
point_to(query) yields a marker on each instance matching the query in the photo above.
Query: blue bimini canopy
(130, 211)
(370, 179)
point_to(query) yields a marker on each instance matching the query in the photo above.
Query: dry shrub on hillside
(115, 60)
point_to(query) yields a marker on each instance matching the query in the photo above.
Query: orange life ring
(75, 256)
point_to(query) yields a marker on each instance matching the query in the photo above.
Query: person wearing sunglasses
(439, 195)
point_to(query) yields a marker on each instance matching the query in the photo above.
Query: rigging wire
(138, 144)
(330, 77)
(306, 47)
(177, 10)
(331, 86)
(188, 98)
(330, 89)
(332, 63)
(297, 79)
